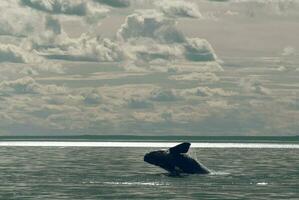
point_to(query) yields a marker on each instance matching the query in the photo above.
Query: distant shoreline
(147, 144)
(139, 138)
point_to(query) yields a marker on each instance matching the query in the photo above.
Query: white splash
(262, 183)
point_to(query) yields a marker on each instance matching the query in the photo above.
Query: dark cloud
(53, 24)
(178, 8)
(58, 6)
(93, 98)
(137, 103)
(115, 3)
(199, 50)
(164, 95)
(11, 53)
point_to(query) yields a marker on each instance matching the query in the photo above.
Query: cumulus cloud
(149, 36)
(54, 43)
(13, 54)
(16, 21)
(88, 48)
(174, 8)
(150, 24)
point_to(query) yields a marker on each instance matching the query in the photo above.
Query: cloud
(219, 104)
(120, 95)
(53, 25)
(150, 24)
(86, 48)
(58, 6)
(199, 50)
(197, 67)
(66, 7)
(54, 43)
(288, 51)
(92, 97)
(28, 85)
(115, 3)
(139, 103)
(149, 37)
(220, 0)
(254, 86)
(174, 8)
(195, 76)
(13, 54)
(231, 13)
(164, 95)
(281, 69)
(17, 21)
(88, 10)
(255, 8)
(207, 92)
(149, 52)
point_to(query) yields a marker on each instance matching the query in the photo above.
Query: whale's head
(156, 157)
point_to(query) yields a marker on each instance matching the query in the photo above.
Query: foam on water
(145, 144)
(136, 183)
(217, 173)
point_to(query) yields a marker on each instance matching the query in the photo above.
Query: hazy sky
(149, 67)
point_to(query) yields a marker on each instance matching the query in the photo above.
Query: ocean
(116, 170)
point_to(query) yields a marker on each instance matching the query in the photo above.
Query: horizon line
(145, 144)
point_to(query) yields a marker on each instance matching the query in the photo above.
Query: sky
(149, 67)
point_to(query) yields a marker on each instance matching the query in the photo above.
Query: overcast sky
(149, 67)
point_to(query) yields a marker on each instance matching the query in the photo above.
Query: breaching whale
(175, 160)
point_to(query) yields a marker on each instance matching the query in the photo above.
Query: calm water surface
(120, 173)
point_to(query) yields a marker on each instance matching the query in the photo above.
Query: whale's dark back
(175, 160)
(188, 165)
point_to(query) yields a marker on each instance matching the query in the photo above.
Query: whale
(176, 161)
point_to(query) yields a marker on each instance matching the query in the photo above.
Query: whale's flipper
(181, 148)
